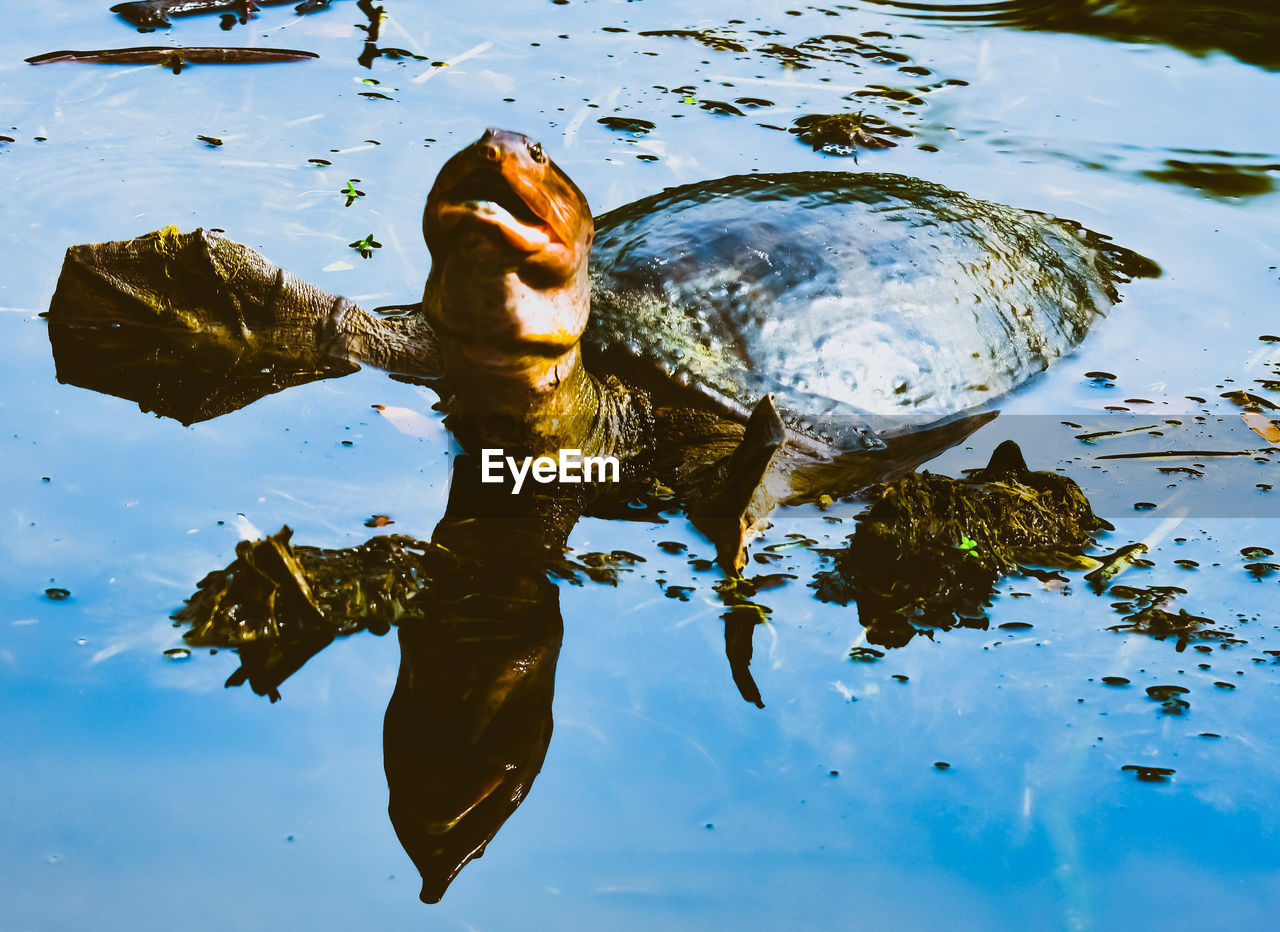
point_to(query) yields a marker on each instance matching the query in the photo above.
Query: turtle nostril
(491, 152)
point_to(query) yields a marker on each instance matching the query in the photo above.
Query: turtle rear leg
(738, 497)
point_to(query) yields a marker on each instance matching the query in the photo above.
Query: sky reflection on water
(140, 794)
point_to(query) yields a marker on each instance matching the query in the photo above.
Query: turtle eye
(536, 153)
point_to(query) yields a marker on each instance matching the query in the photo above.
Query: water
(141, 794)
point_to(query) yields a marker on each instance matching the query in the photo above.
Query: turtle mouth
(485, 195)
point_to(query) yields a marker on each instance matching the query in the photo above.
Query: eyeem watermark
(569, 466)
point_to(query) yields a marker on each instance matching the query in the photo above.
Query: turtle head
(509, 235)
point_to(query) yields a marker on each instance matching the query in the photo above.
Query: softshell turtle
(745, 342)
(855, 301)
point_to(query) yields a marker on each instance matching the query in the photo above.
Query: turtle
(739, 337)
(742, 342)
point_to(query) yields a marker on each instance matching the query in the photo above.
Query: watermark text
(569, 466)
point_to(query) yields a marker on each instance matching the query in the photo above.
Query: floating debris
(1113, 564)
(1102, 434)
(175, 57)
(1170, 698)
(844, 134)
(929, 550)
(633, 125)
(793, 542)
(1150, 774)
(352, 193)
(1161, 624)
(149, 15)
(57, 594)
(604, 567)
(366, 246)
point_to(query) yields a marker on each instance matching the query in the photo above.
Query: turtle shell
(865, 303)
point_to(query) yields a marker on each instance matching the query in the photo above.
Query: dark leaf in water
(628, 124)
(721, 107)
(1150, 774)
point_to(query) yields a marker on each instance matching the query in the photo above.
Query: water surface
(141, 794)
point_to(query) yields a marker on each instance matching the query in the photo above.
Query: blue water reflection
(141, 794)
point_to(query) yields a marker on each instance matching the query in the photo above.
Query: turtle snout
(495, 143)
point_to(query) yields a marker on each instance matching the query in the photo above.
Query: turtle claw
(731, 511)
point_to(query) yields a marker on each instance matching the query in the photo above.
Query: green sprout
(968, 544)
(690, 99)
(351, 192)
(366, 246)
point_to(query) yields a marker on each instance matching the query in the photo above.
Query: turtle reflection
(479, 623)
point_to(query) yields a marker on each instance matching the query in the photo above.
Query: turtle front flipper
(736, 496)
